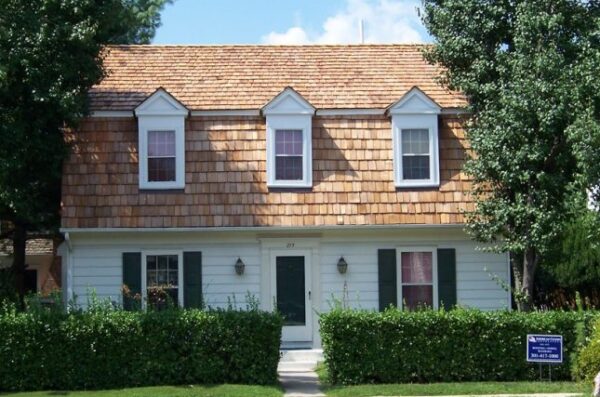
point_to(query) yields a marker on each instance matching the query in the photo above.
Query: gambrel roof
(249, 76)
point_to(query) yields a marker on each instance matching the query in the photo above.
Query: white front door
(291, 288)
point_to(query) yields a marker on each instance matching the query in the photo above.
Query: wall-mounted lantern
(239, 267)
(342, 265)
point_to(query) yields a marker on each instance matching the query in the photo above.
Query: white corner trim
(232, 112)
(112, 113)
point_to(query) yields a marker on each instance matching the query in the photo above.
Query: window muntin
(161, 156)
(162, 280)
(417, 279)
(288, 155)
(415, 154)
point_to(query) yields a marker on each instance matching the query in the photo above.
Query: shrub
(113, 348)
(588, 361)
(439, 346)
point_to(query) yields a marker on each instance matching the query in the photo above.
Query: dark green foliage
(572, 266)
(50, 56)
(114, 348)
(529, 69)
(588, 361)
(438, 346)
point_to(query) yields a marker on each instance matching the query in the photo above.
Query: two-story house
(297, 175)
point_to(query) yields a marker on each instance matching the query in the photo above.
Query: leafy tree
(50, 56)
(529, 70)
(572, 265)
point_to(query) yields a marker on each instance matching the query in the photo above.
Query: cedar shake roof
(249, 76)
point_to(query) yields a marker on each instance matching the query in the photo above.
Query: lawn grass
(165, 391)
(437, 389)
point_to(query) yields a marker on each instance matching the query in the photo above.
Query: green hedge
(588, 360)
(438, 346)
(113, 349)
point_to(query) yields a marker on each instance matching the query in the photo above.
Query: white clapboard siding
(98, 266)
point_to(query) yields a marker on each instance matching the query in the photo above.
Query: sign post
(545, 349)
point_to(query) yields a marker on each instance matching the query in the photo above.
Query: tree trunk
(523, 270)
(529, 265)
(18, 266)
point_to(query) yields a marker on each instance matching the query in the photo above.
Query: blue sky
(290, 22)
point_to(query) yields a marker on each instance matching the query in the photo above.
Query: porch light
(342, 265)
(239, 267)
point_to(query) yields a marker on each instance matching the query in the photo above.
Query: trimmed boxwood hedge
(115, 349)
(442, 346)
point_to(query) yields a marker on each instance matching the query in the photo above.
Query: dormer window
(415, 140)
(289, 140)
(161, 137)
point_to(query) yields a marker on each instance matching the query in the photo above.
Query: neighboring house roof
(35, 246)
(249, 76)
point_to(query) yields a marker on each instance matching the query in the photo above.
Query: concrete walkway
(297, 373)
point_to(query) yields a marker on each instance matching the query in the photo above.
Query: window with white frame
(415, 140)
(161, 132)
(161, 156)
(289, 141)
(289, 155)
(417, 278)
(416, 154)
(162, 284)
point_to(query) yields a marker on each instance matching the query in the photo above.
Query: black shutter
(132, 280)
(192, 279)
(446, 277)
(388, 292)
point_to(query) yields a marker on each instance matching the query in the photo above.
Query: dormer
(415, 140)
(161, 138)
(289, 140)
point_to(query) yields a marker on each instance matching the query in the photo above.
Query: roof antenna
(361, 29)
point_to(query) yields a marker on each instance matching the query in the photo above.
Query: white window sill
(417, 184)
(289, 185)
(162, 185)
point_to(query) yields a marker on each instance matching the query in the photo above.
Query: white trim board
(259, 228)
(256, 112)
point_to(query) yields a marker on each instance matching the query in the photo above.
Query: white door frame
(295, 333)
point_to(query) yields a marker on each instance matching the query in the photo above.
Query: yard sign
(545, 349)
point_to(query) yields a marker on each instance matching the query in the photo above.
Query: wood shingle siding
(226, 177)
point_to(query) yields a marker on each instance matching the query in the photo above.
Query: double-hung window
(289, 155)
(161, 138)
(415, 141)
(161, 156)
(289, 143)
(417, 278)
(163, 279)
